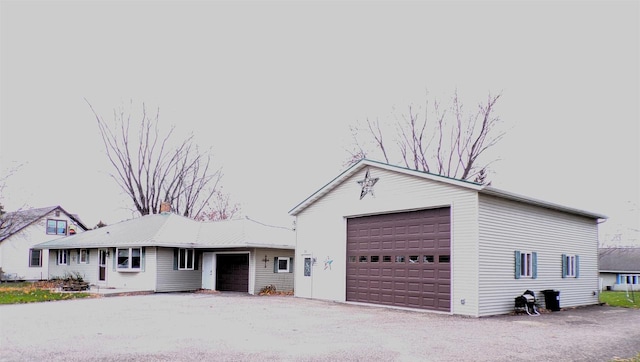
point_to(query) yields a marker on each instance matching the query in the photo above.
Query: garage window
(283, 264)
(570, 266)
(526, 264)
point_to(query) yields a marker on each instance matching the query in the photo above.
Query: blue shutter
(564, 265)
(534, 265)
(290, 265)
(142, 250)
(577, 266)
(275, 264)
(517, 255)
(617, 278)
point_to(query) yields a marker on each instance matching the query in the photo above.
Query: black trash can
(552, 299)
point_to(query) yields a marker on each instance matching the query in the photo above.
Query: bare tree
(219, 208)
(8, 220)
(447, 143)
(150, 170)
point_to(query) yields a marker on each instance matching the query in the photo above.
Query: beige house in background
(20, 258)
(386, 235)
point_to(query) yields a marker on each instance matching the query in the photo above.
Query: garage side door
(400, 259)
(232, 272)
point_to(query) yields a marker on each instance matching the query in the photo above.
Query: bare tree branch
(450, 147)
(150, 171)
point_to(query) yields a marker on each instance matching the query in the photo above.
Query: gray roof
(15, 221)
(619, 260)
(171, 230)
(480, 188)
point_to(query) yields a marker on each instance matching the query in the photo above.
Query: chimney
(165, 207)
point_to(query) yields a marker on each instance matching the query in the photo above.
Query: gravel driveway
(234, 327)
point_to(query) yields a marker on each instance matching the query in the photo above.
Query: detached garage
(385, 235)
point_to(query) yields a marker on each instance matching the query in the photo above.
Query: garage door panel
(232, 272)
(402, 265)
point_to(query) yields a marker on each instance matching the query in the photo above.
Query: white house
(22, 230)
(620, 269)
(386, 235)
(167, 252)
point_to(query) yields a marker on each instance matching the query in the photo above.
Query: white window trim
(634, 278)
(63, 257)
(55, 230)
(83, 256)
(278, 263)
(182, 254)
(571, 266)
(128, 268)
(526, 264)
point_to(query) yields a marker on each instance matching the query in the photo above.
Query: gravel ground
(238, 327)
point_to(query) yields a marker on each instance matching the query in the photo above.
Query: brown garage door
(232, 272)
(400, 259)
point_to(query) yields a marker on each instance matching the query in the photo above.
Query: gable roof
(625, 260)
(171, 230)
(19, 220)
(480, 188)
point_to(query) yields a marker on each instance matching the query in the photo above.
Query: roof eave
(488, 190)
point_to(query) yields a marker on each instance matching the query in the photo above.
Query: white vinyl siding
(264, 271)
(14, 251)
(321, 231)
(507, 226)
(170, 279)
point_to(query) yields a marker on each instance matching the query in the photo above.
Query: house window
(282, 264)
(185, 259)
(570, 266)
(526, 264)
(129, 259)
(56, 227)
(83, 257)
(62, 257)
(632, 279)
(35, 257)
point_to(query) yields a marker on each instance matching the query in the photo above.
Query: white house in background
(22, 230)
(168, 252)
(386, 235)
(620, 268)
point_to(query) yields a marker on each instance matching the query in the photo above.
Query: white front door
(208, 268)
(304, 277)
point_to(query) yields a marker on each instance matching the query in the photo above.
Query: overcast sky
(272, 88)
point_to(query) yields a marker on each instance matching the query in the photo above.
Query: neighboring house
(167, 252)
(21, 230)
(387, 235)
(620, 268)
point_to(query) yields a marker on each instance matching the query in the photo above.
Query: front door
(207, 271)
(102, 265)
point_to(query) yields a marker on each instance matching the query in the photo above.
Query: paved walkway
(239, 327)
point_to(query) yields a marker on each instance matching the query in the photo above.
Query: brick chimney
(165, 207)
